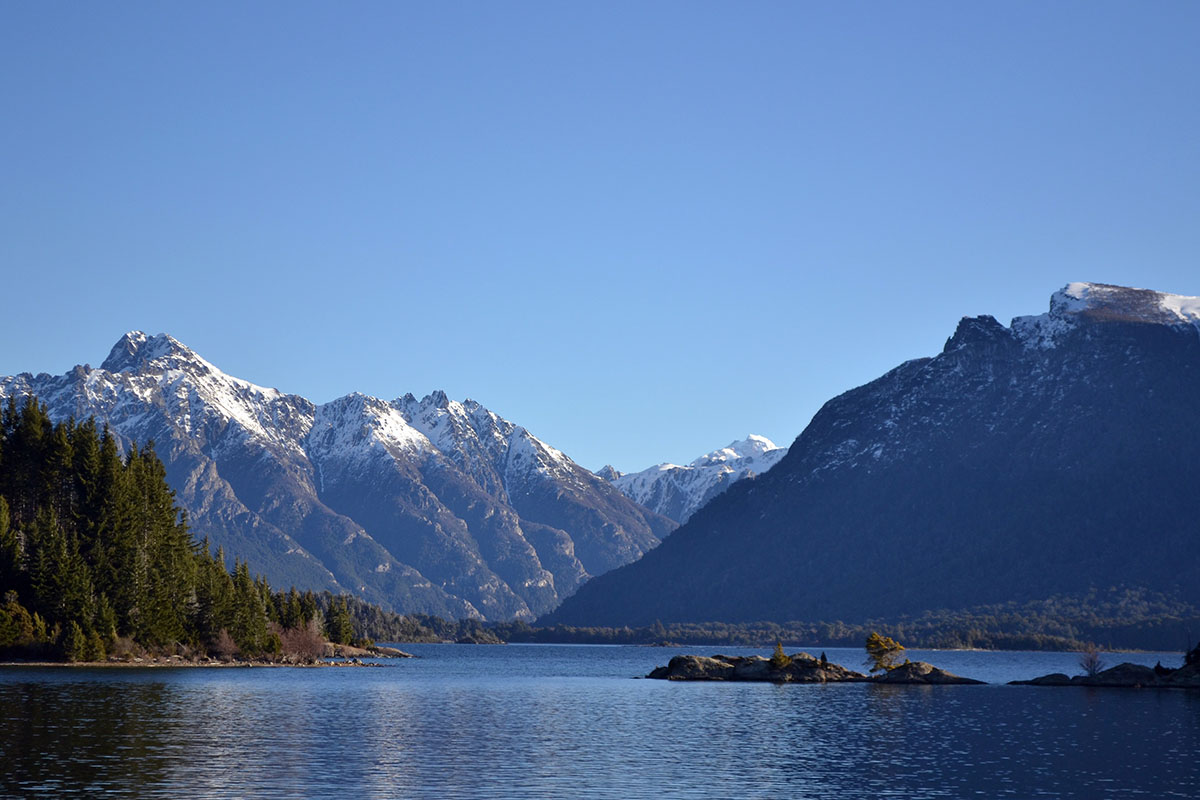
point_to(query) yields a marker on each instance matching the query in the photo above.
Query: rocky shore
(806, 669)
(1125, 676)
(373, 651)
(803, 668)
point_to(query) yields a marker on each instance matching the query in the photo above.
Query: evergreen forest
(96, 560)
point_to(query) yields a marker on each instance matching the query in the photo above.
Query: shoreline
(341, 655)
(180, 664)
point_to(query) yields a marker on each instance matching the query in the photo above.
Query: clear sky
(641, 230)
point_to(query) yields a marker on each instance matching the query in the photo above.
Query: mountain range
(431, 505)
(677, 491)
(1046, 458)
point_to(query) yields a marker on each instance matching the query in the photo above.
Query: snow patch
(1101, 302)
(679, 491)
(359, 427)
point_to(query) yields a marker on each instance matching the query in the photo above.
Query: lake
(571, 721)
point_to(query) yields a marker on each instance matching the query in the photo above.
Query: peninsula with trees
(97, 563)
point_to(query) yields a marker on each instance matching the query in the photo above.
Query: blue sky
(641, 230)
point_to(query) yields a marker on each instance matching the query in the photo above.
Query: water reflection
(83, 739)
(512, 722)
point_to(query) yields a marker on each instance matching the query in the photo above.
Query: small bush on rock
(780, 660)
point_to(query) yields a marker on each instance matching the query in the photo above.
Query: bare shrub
(1090, 661)
(124, 649)
(224, 646)
(303, 644)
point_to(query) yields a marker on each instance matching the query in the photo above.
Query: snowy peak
(464, 432)
(1080, 303)
(166, 357)
(359, 428)
(135, 352)
(527, 453)
(493, 451)
(482, 442)
(679, 491)
(154, 387)
(736, 454)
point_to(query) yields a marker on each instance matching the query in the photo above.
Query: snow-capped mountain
(1037, 460)
(677, 491)
(428, 505)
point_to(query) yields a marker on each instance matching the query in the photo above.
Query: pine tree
(57, 479)
(105, 623)
(268, 599)
(94, 648)
(170, 572)
(291, 613)
(85, 458)
(78, 598)
(10, 549)
(309, 609)
(116, 544)
(249, 619)
(214, 597)
(49, 565)
(339, 628)
(74, 642)
(8, 419)
(21, 479)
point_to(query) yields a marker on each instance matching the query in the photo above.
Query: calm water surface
(562, 721)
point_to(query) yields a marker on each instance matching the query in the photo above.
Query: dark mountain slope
(1046, 458)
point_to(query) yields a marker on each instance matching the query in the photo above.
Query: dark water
(546, 721)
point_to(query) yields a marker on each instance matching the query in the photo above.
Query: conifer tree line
(96, 558)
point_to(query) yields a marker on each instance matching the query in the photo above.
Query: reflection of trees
(83, 739)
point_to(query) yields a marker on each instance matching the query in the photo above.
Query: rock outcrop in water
(806, 669)
(1125, 676)
(922, 672)
(802, 669)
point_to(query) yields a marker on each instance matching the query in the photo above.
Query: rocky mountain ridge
(678, 491)
(430, 505)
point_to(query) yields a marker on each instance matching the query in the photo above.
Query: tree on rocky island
(780, 660)
(1090, 661)
(883, 652)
